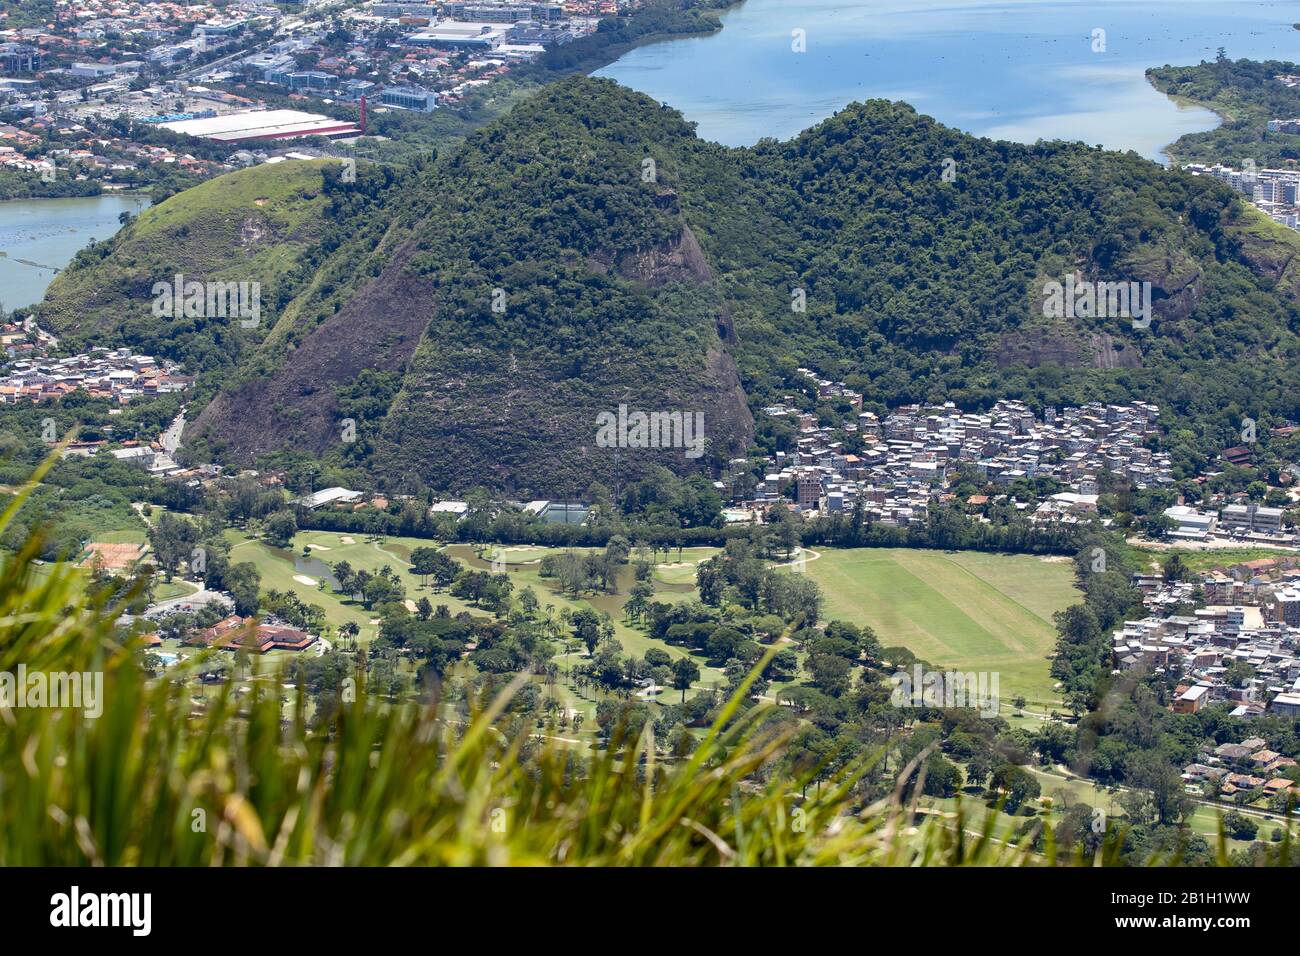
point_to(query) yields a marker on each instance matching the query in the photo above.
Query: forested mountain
(588, 250)
(551, 284)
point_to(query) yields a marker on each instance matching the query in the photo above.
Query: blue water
(1016, 69)
(47, 233)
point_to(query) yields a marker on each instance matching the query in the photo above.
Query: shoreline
(615, 52)
(1171, 159)
(1167, 150)
(132, 193)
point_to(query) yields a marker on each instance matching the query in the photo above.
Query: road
(288, 27)
(1064, 773)
(801, 560)
(171, 438)
(217, 64)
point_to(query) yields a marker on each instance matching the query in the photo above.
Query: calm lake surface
(50, 232)
(1018, 69)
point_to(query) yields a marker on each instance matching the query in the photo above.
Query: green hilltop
(254, 225)
(674, 290)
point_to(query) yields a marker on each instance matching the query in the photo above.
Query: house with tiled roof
(237, 633)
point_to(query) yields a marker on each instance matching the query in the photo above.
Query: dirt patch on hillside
(379, 329)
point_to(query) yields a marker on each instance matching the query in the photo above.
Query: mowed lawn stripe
(953, 611)
(1013, 629)
(965, 610)
(903, 608)
(1040, 585)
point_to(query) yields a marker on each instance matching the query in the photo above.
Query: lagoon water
(1015, 69)
(49, 232)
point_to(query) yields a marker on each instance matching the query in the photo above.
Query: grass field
(127, 536)
(285, 569)
(967, 610)
(974, 611)
(682, 572)
(278, 571)
(523, 566)
(166, 590)
(282, 569)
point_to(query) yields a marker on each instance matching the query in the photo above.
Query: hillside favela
(651, 435)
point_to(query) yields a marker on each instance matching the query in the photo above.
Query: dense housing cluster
(116, 374)
(911, 457)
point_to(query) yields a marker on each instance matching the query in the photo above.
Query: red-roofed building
(219, 634)
(234, 632)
